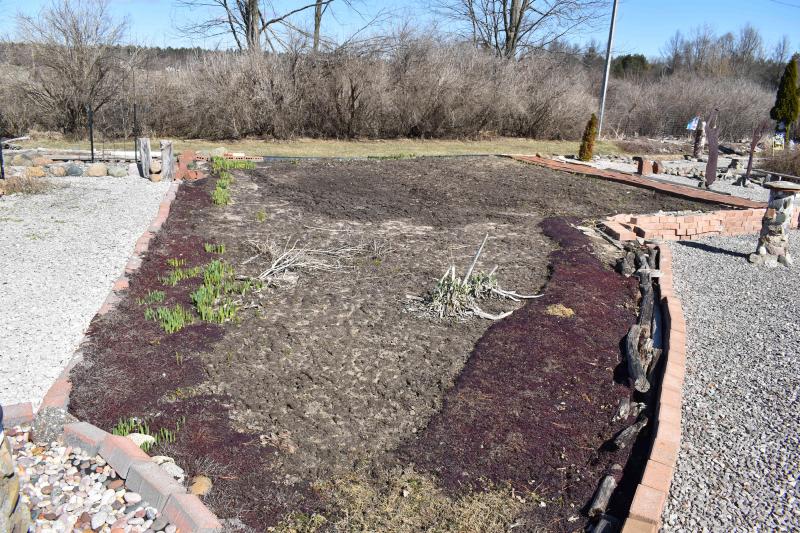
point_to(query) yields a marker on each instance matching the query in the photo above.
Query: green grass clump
(134, 425)
(218, 249)
(171, 319)
(153, 297)
(219, 164)
(213, 299)
(221, 195)
(179, 273)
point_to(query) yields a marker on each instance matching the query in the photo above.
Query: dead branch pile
(455, 296)
(292, 256)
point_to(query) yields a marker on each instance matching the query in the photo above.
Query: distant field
(334, 148)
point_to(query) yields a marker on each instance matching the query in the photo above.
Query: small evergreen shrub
(587, 142)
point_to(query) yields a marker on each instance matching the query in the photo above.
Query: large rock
(34, 172)
(155, 166)
(41, 161)
(74, 170)
(21, 160)
(57, 171)
(118, 171)
(14, 514)
(97, 170)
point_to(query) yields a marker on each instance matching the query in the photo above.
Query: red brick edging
(687, 227)
(651, 493)
(186, 511)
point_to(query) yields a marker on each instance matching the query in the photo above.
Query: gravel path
(62, 251)
(739, 463)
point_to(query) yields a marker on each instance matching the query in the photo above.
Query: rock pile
(68, 490)
(773, 242)
(40, 167)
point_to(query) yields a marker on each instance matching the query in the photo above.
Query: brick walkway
(639, 181)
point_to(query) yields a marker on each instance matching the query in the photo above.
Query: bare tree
(78, 64)
(512, 27)
(251, 23)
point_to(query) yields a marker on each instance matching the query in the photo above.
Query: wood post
(144, 152)
(167, 161)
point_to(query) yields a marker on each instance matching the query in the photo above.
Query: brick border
(652, 491)
(141, 475)
(687, 227)
(684, 191)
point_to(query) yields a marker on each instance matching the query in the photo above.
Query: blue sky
(643, 26)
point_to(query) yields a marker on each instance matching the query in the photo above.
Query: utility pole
(607, 73)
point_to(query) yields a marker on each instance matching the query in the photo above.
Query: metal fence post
(90, 115)
(2, 177)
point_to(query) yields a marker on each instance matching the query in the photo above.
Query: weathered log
(636, 372)
(606, 524)
(602, 496)
(629, 434)
(144, 156)
(623, 410)
(167, 161)
(626, 265)
(647, 304)
(636, 408)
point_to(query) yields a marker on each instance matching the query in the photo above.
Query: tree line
(502, 67)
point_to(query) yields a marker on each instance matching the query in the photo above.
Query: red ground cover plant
(534, 403)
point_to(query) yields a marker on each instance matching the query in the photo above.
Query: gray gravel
(61, 252)
(739, 463)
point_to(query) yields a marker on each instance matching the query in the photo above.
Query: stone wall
(40, 167)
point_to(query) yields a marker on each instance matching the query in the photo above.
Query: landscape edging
(186, 511)
(652, 491)
(688, 227)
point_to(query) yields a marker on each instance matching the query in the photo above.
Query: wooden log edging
(186, 511)
(653, 489)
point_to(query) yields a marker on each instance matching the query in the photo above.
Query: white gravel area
(739, 462)
(62, 251)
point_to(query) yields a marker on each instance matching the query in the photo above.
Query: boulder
(118, 171)
(155, 166)
(20, 160)
(57, 171)
(155, 178)
(41, 161)
(74, 170)
(97, 170)
(34, 172)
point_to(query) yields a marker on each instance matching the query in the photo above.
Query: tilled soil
(332, 370)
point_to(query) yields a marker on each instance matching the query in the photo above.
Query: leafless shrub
(24, 185)
(787, 162)
(663, 107)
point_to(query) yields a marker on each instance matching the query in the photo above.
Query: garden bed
(329, 396)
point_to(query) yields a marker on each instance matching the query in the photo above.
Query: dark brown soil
(334, 371)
